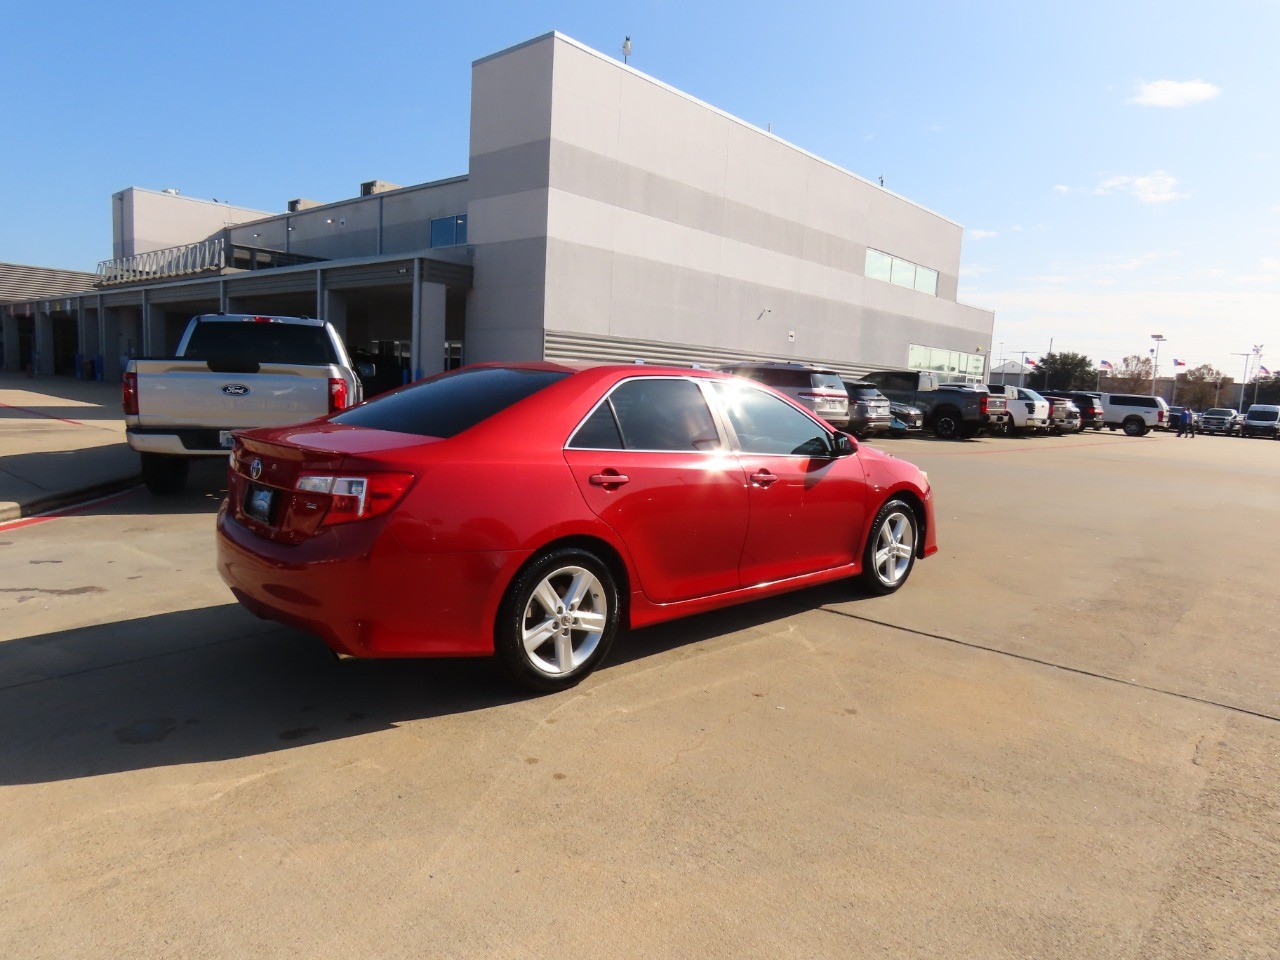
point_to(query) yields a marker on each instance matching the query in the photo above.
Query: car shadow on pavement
(217, 684)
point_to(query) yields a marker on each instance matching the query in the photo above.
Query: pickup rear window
(262, 342)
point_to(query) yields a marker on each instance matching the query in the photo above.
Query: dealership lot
(1058, 741)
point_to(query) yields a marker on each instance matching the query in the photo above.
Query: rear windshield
(264, 342)
(445, 406)
(863, 393)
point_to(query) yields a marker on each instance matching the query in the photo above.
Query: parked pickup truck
(232, 372)
(1223, 420)
(1027, 409)
(951, 410)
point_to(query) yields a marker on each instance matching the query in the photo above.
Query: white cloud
(1157, 187)
(982, 234)
(1061, 188)
(1173, 93)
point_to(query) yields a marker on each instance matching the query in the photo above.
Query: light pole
(1155, 369)
(1244, 378)
(1257, 352)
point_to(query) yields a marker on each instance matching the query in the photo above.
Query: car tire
(946, 425)
(890, 553)
(1135, 427)
(163, 475)
(558, 619)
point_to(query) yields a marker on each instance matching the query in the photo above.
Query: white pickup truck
(1027, 409)
(232, 372)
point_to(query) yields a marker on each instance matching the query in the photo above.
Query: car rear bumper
(360, 591)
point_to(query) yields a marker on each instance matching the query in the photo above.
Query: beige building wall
(621, 207)
(144, 220)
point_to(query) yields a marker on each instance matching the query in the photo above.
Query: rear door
(652, 464)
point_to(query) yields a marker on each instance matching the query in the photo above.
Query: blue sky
(1116, 166)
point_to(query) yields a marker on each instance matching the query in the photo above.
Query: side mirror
(844, 445)
(366, 370)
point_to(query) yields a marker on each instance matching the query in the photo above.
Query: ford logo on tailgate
(235, 390)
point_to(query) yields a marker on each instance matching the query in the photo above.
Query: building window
(904, 273)
(951, 366)
(449, 231)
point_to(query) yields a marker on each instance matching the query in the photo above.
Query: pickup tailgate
(186, 393)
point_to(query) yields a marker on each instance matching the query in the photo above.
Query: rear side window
(650, 414)
(1128, 400)
(444, 406)
(264, 342)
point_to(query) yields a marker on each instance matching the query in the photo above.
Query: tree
(1200, 387)
(1133, 375)
(1064, 371)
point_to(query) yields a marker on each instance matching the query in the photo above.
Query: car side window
(766, 424)
(650, 414)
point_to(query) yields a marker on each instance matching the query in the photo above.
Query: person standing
(1186, 423)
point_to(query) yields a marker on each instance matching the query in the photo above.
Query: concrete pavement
(61, 442)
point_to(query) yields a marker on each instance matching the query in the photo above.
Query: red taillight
(352, 498)
(1159, 416)
(129, 394)
(982, 403)
(337, 394)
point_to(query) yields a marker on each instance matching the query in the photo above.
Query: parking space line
(66, 511)
(47, 416)
(1057, 666)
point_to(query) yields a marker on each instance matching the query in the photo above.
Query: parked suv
(1027, 409)
(819, 389)
(1088, 403)
(1137, 414)
(1223, 420)
(868, 409)
(1262, 420)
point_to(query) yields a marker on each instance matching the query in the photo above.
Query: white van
(1262, 420)
(1137, 414)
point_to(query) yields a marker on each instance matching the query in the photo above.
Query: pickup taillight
(982, 403)
(129, 394)
(338, 396)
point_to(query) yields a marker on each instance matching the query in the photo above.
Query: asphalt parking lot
(1058, 740)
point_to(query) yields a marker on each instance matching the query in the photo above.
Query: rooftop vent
(370, 187)
(300, 204)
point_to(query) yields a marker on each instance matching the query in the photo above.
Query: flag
(1104, 364)
(1264, 371)
(1179, 363)
(1029, 362)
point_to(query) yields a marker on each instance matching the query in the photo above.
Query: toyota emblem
(255, 469)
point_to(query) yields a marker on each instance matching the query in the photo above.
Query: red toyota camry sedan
(530, 511)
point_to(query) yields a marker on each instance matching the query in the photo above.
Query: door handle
(610, 478)
(762, 477)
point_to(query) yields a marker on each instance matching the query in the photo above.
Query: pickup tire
(946, 424)
(164, 476)
(1135, 427)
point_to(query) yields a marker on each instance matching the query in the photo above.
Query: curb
(66, 498)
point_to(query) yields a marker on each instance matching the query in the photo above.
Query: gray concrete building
(604, 215)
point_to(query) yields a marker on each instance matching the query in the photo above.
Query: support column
(333, 308)
(115, 346)
(428, 327)
(12, 361)
(153, 338)
(42, 364)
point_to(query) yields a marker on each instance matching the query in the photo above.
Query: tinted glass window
(1263, 416)
(862, 393)
(658, 414)
(599, 432)
(766, 424)
(263, 342)
(446, 405)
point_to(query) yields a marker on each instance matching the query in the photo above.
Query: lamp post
(1155, 369)
(1257, 352)
(1244, 377)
